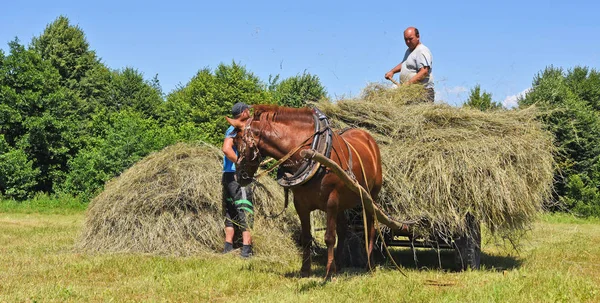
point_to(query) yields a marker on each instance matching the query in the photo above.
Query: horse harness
(322, 143)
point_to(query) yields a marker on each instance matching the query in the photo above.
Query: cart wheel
(467, 251)
(354, 248)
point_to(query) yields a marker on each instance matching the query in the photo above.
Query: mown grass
(557, 262)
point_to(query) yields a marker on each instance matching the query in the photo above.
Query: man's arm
(423, 72)
(396, 69)
(228, 150)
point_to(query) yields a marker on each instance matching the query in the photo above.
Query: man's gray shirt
(415, 60)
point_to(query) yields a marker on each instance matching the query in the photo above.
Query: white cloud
(511, 101)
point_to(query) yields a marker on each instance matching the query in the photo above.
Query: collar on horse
(322, 142)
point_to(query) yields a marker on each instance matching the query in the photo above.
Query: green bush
(298, 90)
(17, 174)
(570, 101)
(123, 138)
(582, 196)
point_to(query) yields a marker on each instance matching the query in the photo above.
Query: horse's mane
(277, 113)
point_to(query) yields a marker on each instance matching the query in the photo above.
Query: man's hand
(390, 75)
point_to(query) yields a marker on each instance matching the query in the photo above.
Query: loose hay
(442, 162)
(170, 203)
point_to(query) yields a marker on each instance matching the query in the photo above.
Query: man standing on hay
(237, 200)
(416, 65)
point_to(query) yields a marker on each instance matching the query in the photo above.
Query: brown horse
(276, 131)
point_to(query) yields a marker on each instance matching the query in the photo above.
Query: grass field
(557, 262)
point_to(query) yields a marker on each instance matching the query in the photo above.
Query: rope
(362, 201)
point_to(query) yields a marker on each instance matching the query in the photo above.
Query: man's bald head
(412, 29)
(412, 37)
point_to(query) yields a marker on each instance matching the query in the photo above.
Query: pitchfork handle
(394, 81)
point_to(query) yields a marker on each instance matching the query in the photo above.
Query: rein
(286, 157)
(286, 192)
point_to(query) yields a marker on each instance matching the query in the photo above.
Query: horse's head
(247, 146)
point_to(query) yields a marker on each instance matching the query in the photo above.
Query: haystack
(441, 162)
(170, 203)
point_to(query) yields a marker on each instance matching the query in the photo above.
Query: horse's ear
(237, 123)
(230, 121)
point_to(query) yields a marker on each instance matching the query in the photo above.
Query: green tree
(129, 90)
(296, 91)
(37, 115)
(203, 102)
(568, 100)
(585, 83)
(481, 100)
(67, 49)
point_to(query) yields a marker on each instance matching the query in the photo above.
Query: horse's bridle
(248, 137)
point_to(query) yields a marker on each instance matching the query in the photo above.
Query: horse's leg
(306, 238)
(342, 228)
(332, 209)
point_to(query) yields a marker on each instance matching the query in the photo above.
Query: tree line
(570, 104)
(69, 123)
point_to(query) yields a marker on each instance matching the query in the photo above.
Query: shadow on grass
(426, 259)
(444, 259)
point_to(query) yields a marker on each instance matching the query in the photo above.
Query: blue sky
(500, 45)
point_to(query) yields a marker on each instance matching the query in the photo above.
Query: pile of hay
(170, 203)
(442, 162)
